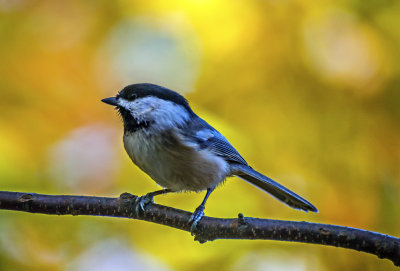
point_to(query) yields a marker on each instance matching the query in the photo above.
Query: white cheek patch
(138, 108)
(146, 110)
(164, 113)
(124, 103)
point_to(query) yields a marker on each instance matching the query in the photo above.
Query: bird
(182, 152)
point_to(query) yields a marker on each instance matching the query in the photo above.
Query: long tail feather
(275, 189)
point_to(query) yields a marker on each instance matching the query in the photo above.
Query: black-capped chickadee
(182, 152)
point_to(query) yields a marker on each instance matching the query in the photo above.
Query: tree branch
(208, 229)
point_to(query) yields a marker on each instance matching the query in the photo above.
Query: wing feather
(207, 137)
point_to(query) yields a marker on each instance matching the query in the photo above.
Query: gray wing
(207, 137)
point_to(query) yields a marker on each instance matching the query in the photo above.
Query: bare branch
(209, 228)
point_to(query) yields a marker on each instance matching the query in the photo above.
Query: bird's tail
(275, 189)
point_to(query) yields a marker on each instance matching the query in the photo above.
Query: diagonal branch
(209, 228)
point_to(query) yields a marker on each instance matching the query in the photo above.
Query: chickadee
(182, 152)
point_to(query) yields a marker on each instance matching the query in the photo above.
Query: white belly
(174, 165)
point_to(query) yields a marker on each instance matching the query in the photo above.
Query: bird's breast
(174, 164)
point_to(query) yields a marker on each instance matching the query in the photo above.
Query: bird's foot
(195, 218)
(142, 201)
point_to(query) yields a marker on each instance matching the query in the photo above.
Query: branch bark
(209, 228)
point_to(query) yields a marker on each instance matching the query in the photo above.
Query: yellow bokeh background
(307, 91)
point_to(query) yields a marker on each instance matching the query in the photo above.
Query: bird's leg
(199, 212)
(142, 201)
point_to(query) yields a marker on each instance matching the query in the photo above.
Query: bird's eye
(131, 96)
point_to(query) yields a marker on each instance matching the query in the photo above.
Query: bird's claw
(195, 218)
(141, 203)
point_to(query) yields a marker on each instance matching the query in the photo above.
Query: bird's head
(144, 105)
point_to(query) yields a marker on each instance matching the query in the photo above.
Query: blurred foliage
(308, 92)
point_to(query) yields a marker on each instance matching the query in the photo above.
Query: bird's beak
(110, 101)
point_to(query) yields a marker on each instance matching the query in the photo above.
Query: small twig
(209, 228)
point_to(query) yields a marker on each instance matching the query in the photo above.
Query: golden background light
(308, 92)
